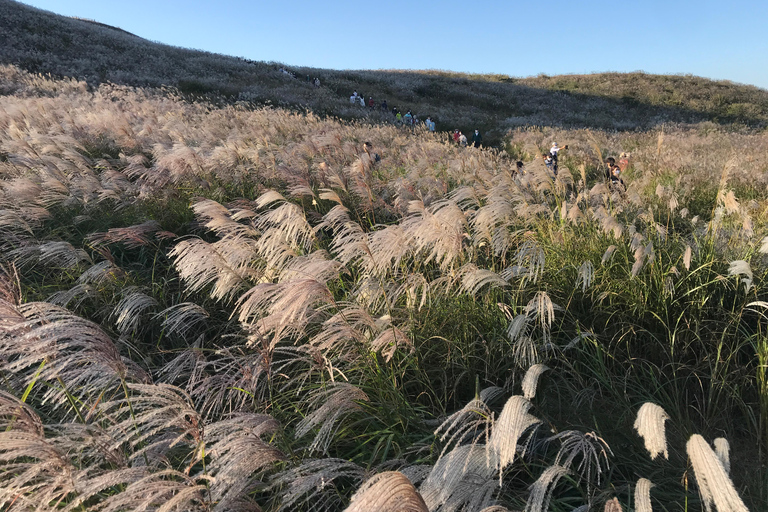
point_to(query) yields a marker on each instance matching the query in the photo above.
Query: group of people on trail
(461, 140)
(408, 119)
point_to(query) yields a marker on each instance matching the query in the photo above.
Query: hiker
(395, 111)
(456, 136)
(317, 82)
(477, 139)
(353, 98)
(609, 162)
(615, 171)
(430, 124)
(548, 161)
(368, 148)
(398, 118)
(462, 140)
(384, 106)
(623, 161)
(519, 171)
(553, 151)
(408, 118)
(371, 103)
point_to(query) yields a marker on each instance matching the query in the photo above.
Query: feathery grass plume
(60, 254)
(473, 279)
(165, 491)
(608, 255)
(643, 495)
(129, 310)
(131, 236)
(495, 508)
(461, 480)
(75, 355)
(764, 246)
(81, 292)
(437, 232)
(238, 453)
(351, 323)
(10, 285)
(589, 447)
(511, 424)
(472, 423)
(284, 307)
(650, 426)
(312, 484)
(386, 248)
(714, 485)
(531, 257)
(34, 471)
(586, 275)
(543, 488)
(286, 219)
(531, 379)
(613, 505)
(100, 273)
(389, 340)
(330, 404)
(687, 257)
(316, 265)
(385, 492)
(234, 380)
(608, 222)
(741, 269)
(723, 452)
(181, 319)
(225, 264)
(152, 419)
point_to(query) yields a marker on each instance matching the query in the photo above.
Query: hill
(43, 42)
(207, 304)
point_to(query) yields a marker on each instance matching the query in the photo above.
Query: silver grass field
(227, 307)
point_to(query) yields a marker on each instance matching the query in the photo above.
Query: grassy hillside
(218, 308)
(42, 42)
(212, 305)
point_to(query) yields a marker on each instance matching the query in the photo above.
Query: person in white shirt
(553, 151)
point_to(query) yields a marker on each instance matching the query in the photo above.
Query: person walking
(462, 140)
(477, 139)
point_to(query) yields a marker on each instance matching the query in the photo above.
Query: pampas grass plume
(714, 484)
(387, 492)
(650, 426)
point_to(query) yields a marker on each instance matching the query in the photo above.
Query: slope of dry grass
(212, 307)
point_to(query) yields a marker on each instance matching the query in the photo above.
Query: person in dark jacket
(477, 139)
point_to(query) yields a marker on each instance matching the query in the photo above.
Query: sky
(714, 39)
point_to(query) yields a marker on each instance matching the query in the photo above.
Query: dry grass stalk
(387, 492)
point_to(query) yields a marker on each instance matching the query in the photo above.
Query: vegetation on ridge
(209, 305)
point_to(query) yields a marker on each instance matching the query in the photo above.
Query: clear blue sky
(714, 39)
